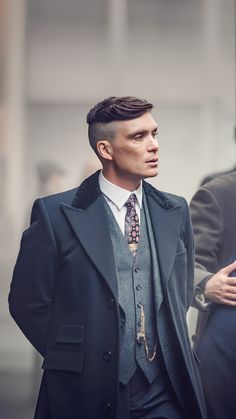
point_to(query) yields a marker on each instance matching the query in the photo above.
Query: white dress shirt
(116, 198)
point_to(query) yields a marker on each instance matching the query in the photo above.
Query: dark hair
(112, 109)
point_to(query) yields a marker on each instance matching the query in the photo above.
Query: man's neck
(127, 184)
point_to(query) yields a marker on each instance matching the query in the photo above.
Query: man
(213, 210)
(103, 282)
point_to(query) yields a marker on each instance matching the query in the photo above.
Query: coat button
(110, 302)
(106, 406)
(138, 287)
(107, 356)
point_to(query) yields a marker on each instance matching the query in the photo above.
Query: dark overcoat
(64, 298)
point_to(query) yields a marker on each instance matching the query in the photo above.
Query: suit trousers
(141, 400)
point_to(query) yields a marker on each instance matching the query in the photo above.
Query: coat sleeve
(208, 227)
(189, 243)
(33, 282)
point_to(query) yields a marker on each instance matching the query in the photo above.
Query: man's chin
(152, 173)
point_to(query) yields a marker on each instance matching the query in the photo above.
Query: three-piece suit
(64, 297)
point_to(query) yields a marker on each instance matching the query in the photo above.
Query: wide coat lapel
(166, 221)
(88, 220)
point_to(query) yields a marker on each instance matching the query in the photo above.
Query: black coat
(64, 298)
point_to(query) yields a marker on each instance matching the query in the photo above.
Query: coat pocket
(63, 360)
(71, 333)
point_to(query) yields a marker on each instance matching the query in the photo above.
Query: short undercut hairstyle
(101, 116)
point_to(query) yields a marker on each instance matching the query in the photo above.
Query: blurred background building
(58, 58)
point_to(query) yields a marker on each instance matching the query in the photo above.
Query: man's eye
(154, 134)
(138, 137)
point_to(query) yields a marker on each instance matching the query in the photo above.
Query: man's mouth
(154, 160)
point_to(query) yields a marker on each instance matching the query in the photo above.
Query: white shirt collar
(117, 194)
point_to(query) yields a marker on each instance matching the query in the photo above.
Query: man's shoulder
(166, 200)
(59, 198)
(222, 180)
(223, 186)
(215, 175)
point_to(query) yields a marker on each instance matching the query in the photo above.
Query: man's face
(134, 150)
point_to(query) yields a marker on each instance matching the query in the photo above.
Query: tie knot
(131, 201)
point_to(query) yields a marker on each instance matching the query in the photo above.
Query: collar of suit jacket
(89, 191)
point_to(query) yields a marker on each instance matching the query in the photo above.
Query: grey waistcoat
(135, 285)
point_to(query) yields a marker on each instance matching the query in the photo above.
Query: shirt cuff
(201, 302)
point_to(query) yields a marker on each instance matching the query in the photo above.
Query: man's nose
(153, 145)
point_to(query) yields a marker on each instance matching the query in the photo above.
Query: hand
(221, 288)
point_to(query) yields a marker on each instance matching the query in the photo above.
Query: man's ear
(104, 149)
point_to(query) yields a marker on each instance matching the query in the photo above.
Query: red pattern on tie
(132, 228)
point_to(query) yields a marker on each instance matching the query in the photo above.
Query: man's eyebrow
(135, 133)
(141, 132)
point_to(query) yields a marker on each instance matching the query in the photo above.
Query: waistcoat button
(110, 302)
(122, 322)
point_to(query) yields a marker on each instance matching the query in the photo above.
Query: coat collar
(89, 191)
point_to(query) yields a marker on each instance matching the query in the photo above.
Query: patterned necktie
(132, 229)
